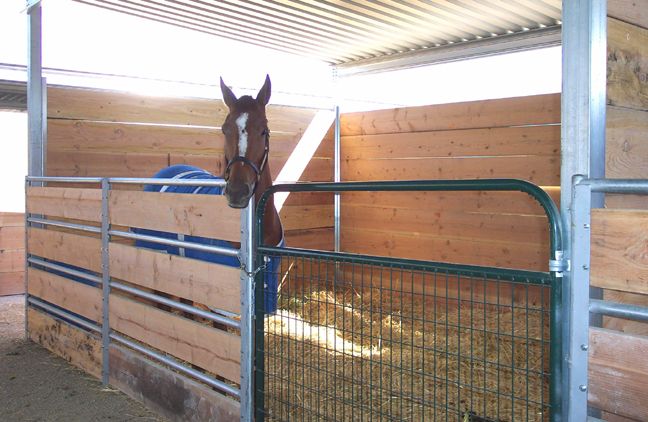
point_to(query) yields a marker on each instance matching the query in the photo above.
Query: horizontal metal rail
(130, 181)
(64, 269)
(503, 274)
(215, 317)
(178, 243)
(63, 314)
(169, 182)
(177, 305)
(508, 185)
(619, 310)
(626, 186)
(171, 362)
(64, 224)
(39, 179)
(212, 382)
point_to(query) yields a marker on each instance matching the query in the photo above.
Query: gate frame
(558, 264)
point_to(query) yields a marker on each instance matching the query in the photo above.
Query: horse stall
(467, 338)
(449, 286)
(174, 338)
(442, 303)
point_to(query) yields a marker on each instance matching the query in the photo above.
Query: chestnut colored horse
(247, 145)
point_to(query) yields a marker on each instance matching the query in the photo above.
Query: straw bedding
(361, 355)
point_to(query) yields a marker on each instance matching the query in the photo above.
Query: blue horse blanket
(190, 172)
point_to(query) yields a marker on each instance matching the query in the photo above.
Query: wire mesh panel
(365, 338)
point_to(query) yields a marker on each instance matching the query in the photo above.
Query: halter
(246, 161)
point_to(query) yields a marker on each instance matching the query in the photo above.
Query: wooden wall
(620, 232)
(107, 133)
(503, 138)
(12, 253)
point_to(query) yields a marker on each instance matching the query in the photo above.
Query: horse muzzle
(239, 196)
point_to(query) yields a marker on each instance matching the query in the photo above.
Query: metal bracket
(559, 264)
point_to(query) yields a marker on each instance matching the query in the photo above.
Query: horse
(247, 174)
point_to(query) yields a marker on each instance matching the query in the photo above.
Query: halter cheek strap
(246, 161)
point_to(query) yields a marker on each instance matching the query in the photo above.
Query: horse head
(247, 140)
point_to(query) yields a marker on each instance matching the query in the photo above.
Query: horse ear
(264, 93)
(228, 95)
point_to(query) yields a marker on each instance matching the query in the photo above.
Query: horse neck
(272, 230)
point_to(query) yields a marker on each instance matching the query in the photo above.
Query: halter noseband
(246, 161)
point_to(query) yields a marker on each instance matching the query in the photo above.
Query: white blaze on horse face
(241, 122)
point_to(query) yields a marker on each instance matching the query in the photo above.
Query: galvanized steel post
(580, 301)
(584, 38)
(105, 283)
(247, 312)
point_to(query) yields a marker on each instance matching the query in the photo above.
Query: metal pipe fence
(108, 285)
(582, 306)
(360, 337)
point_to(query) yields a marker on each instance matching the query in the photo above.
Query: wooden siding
(12, 253)
(505, 138)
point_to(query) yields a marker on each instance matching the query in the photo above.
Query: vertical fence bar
(337, 178)
(579, 321)
(337, 175)
(26, 281)
(35, 112)
(247, 312)
(105, 280)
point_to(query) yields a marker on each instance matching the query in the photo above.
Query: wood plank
(535, 140)
(532, 110)
(104, 164)
(626, 144)
(627, 65)
(12, 219)
(80, 204)
(306, 217)
(12, 260)
(620, 250)
(72, 295)
(12, 283)
(166, 392)
(12, 237)
(102, 105)
(78, 347)
(73, 249)
(197, 215)
(471, 202)
(439, 222)
(115, 106)
(543, 171)
(528, 256)
(631, 11)
(618, 370)
(610, 417)
(213, 350)
(320, 239)
(203, 282)
(81, 135)
(158, 388)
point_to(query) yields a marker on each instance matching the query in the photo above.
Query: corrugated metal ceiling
(345, 32)
(13, 96)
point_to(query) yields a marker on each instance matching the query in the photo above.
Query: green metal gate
(359, 337)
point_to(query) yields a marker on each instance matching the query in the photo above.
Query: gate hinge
(559, 264)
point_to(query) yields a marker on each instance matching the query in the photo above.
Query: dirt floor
(36, 385)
